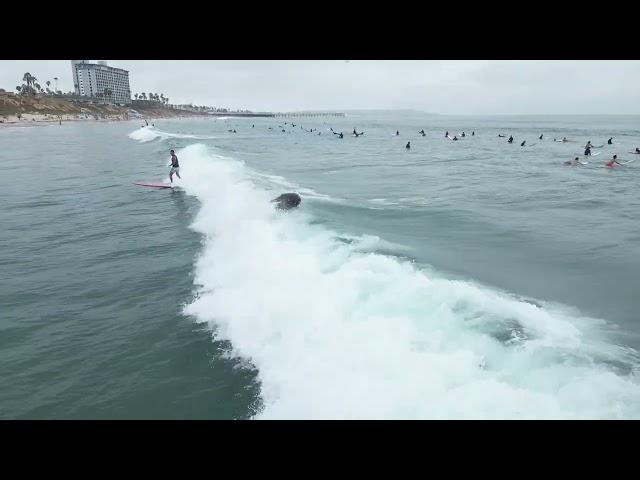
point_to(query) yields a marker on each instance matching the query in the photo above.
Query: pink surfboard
(154, 184)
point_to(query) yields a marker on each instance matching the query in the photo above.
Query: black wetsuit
(609, 141)
(510, 140)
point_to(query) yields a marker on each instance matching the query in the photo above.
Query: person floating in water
(455, 138)
(446, 134)
(564, 139)
(473, 134)
(356, 133)
(540, 137)
(175, 166)
(637, 150)
(573, 162)
(501, 136)
(612, 163)
(283, 130)
(462, 134)
(252, 126)
(510, 139)
(397, 133)
(408, 146)
(146, 123)
(610, 141)
(421, 132)
(523, 142)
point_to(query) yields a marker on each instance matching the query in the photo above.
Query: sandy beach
(35, 119)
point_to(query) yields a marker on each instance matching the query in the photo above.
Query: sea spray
(337, 332)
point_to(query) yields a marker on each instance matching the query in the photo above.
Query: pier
(279, 114)
(308, 114)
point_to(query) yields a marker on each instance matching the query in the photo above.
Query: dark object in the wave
(287, 201)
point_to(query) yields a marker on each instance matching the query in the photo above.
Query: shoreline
(41, 120)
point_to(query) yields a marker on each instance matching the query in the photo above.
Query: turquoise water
(470, 279)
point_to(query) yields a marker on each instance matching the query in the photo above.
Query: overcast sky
(445, 87)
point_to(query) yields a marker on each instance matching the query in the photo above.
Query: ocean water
(471, 279)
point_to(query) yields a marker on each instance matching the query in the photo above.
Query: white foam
(147, 134)
(336, 332)
(274, 181)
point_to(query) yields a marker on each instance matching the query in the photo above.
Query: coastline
(25, 111)
(40, 120)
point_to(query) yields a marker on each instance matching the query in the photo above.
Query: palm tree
(18, 88)
(48, 84)
(28, 78)
(37, 86)
(136, 96)
(143, 96)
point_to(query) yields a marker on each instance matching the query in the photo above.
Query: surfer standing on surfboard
(175, 166)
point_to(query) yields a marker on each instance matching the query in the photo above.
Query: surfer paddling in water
(612, 163)
(175, 166)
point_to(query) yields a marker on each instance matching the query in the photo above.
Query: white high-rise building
(90, 79)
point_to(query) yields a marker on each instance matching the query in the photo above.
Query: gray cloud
(446, 87)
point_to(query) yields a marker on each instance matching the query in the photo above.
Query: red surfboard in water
(154, 184)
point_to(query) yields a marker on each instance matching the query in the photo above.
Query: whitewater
(355, 329)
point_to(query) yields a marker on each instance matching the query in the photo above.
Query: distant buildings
(100, 80)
